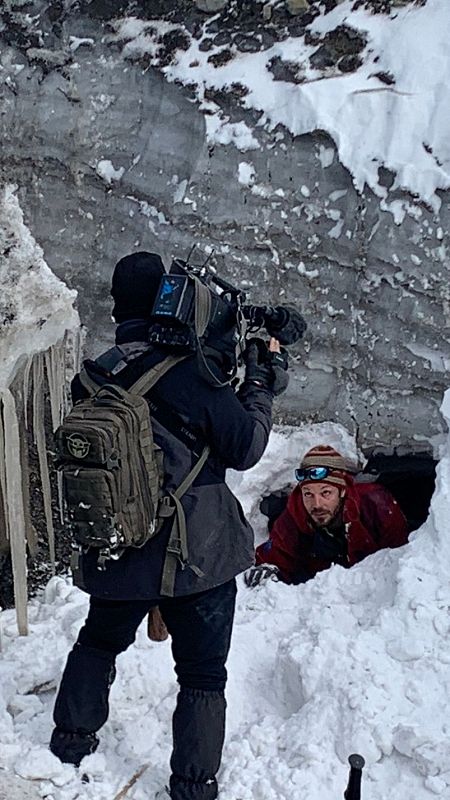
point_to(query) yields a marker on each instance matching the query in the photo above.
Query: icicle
(3, 472)
(39, 438)
(18, 389)
(60, 488)
(26, 388)
(70, 350)
(74, 347)
(69, 363)
(55, 368)
(15, 508)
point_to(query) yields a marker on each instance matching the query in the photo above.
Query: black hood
(135, 283)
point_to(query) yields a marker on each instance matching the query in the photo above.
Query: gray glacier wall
(109, 157)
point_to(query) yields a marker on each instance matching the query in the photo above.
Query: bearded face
(322, 502)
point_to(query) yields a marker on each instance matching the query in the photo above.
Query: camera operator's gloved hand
(256, 575)
(264, 368)
(288, 326)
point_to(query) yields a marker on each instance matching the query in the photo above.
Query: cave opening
(410, 477)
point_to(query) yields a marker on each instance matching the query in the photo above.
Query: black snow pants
(200, 626)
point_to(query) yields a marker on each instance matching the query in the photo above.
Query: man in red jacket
(329, 519)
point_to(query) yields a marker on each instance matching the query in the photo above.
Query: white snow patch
(246, 173)
(180, 191)
(326, 156)
(75, 42)
(437, 361)
(106, 170)
(336, 230)
(220, 130)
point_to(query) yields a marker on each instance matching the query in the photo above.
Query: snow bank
(399, 121)
(355, 660)
(36, 308)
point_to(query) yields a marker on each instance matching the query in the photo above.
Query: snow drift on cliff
(36, 308)
(391, 112)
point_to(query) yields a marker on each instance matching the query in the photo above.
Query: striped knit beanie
(325, 456)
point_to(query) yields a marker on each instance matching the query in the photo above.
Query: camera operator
(190, 412)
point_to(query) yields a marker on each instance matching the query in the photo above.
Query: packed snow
(36, 307)
(401, 125)
(354, 661)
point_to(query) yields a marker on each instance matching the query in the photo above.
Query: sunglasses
(312, 474)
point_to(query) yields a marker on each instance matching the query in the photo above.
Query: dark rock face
(385, 6)
(109, 158)
(220, 58)
(285, 70)
(247, 44)
(339, 48)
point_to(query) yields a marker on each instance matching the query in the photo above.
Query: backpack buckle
(174, 548)
(104, 555)
(166, 509)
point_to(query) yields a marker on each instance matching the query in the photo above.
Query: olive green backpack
(113, 473)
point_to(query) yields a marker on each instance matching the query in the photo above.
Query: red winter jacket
(372, 518)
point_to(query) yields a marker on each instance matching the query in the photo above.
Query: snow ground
(354, 661)
(402, 126)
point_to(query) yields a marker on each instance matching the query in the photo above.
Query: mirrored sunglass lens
(318, 473)
(314, 473)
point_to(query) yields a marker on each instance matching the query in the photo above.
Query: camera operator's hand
(266, 368)
(256, 575)
(288, 325)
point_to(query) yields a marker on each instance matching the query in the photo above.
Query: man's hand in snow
(255, 575)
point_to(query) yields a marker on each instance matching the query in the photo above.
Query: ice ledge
(36, 307)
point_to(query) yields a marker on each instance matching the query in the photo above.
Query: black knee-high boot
(198, 735)
(82, 706)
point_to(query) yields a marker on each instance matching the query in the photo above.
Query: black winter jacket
(220, 540)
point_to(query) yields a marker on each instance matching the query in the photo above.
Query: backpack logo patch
(78, 445)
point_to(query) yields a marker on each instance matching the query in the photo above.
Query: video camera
(194, 305)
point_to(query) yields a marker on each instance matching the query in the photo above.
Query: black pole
(353, 790)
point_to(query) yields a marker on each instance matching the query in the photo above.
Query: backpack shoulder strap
(191, 476)
(152, 376)
(143, 384)
(87, 381)
(177, 546)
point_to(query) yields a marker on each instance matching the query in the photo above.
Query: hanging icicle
(39, 438)
(55, 369)
(26, 386)
(55, 364)
(69, 363)
(74, 342)
(14, 506)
